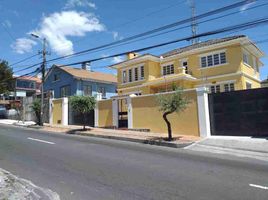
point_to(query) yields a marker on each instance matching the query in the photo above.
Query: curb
(232, 148)
(141, 141)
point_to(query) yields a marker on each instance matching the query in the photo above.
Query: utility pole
(193, 23)
(43, 70)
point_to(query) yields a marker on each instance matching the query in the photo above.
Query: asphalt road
(77, 168)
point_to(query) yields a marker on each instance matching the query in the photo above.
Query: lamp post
(43, 68)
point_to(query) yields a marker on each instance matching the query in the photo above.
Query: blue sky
(75, 25)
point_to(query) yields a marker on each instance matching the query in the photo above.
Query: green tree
(170, 103)
(36, 106)
(6, 78)
(83, 105)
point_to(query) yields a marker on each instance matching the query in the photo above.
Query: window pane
(171, 69)
(203, 61)
(226, 87)
(218, 88)
(87, 90)
(136, 74)
(168, 70)
(164, 70)
(223, 58)
(216, 59)
(124, 76)
(248, 85)
(212, 89)
(142, 72)
(210, 62)
(232, 87)
(130, 75)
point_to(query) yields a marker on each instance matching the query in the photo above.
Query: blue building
(63, 81)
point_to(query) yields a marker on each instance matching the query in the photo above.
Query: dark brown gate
(122, 113)
(239, 113)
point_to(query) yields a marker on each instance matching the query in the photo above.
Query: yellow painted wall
(105, 113)
(234, 64)
(146, 115)
(57, 111)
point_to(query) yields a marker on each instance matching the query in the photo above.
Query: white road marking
(258, 186)
(44, 141)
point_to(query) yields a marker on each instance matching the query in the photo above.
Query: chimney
(132, 55)
(86, 66)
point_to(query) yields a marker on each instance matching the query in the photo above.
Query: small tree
(170, 103)
(83, 105)
(36, 106)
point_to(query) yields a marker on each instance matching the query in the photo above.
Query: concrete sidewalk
(16, 122)
(239, 146)
(126, 135)
(180, 141)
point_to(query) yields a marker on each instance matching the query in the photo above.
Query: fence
(143, 113)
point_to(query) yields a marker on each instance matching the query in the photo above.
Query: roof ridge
(201, 44)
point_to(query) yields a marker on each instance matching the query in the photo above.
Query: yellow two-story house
(222, 65)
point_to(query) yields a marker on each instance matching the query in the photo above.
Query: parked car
(13, 114)
(3, 112)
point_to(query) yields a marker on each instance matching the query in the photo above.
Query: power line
(140, 18)
(183, 27)
(20, 61)
(251, 24)
(216, 11)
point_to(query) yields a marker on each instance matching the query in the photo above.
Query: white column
(96, 115)
(115, 112)
(51, 111)
(203, 112)
(129, 113)
(65, 111)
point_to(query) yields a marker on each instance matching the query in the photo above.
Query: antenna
(193, 24)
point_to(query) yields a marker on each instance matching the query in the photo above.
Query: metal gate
(239, 113)
(122, 113)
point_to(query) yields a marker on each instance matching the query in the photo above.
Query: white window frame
(246, 61)
(165, 66)
(212, 54)
(250, 83)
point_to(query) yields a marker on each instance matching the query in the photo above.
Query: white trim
(115, 112)
(213, 66)
(129, 113)
(65, 113)
(96, 115)
(212, 53)
(156, 94)
(217, 83)
(51, 105)
(143, 58)
(221, 76)
(203, 112)
(167, 63)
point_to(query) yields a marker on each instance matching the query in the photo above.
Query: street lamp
(43, 68)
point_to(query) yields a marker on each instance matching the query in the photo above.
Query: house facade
(27, 86)
(222, 65)
(63, 81)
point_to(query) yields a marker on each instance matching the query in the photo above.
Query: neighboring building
(264, 83)
(27, 86)
(63, 81)
(222, 65)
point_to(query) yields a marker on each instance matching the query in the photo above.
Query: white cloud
(23, 45)
(79, 3)
(116, 35)
(117, 59)
(7, 23)
(58, 26)
(247, 5)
